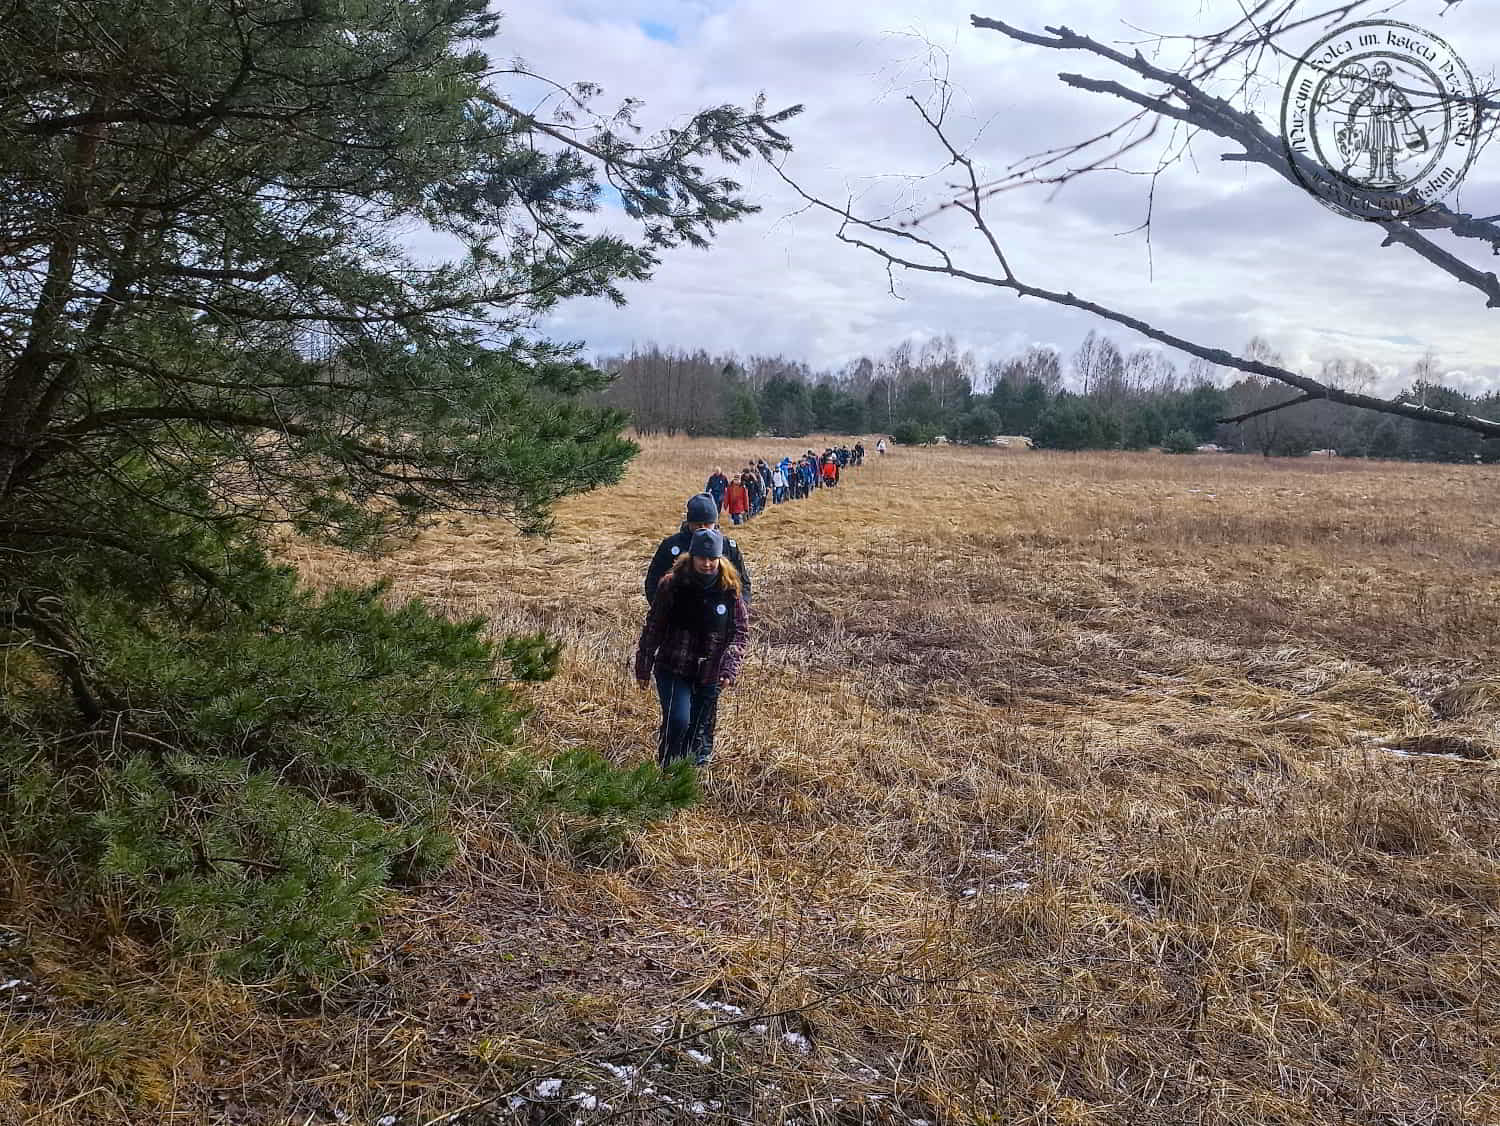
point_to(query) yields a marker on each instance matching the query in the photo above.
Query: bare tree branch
(1182, 99)
(1248, 415)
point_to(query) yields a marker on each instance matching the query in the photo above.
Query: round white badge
(719, 609)
(676, 551)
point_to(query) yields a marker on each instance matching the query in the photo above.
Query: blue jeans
(687, 714)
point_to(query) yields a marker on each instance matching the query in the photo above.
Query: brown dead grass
(1059, 789)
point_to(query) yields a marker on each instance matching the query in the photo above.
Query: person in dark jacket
(694, 641)
(751, 480)
(701, 513)
(718, 486)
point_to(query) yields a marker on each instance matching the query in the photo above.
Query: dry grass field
(1075, 789)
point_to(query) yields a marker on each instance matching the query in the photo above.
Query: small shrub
(977, 426)
(1180, 442)
(590, 807)
(254, 788)
(909, 433)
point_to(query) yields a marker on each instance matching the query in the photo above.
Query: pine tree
(215, 327)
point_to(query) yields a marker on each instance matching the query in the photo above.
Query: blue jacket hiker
(694, 641)
(717, 486)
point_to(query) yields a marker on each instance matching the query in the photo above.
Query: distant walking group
(698, 592)
(760, 483)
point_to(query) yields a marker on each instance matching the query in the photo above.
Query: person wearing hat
(693, 641)
(701, 513)
(750, 478)
(737, 501)
(718, 485)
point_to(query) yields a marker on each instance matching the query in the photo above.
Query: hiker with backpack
(751, 478)
(694, 642)
(701, 513)
(778, 485)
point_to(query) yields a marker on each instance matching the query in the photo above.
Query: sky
(1233, 251)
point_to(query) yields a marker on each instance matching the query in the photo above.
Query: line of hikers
(698, 593)
(760, 483)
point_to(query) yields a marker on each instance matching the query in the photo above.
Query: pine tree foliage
(589, 809)
(210, 280)
(261, 782)
(1180, 442)
(271, 265)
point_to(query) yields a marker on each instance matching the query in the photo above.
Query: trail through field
(1056, 789)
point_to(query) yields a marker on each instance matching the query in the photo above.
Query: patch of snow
(617, 1070)
(1014, 885)
(697, 1109)
(759, 1029)
(386, 1120)
(720, 1007)
(798, 1041)
(549, 1088)
(699, 1057)
(1390, 751)
(587, 1101)
(4, 985)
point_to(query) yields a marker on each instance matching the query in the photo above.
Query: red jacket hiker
(736, 499)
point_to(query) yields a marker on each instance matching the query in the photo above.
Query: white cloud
(1234, 251)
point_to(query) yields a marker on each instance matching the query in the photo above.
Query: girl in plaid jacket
(694, 641)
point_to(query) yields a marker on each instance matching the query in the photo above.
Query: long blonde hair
(729, 574)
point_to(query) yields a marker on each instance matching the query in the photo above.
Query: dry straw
(1075, 789)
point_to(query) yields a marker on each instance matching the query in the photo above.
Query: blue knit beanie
(701, 509)
(707, 544)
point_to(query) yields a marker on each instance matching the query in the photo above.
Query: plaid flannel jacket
(686, 652)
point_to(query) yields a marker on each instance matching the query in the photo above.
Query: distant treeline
(1101, 397)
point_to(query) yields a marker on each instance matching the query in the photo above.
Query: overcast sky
(1234, 251)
